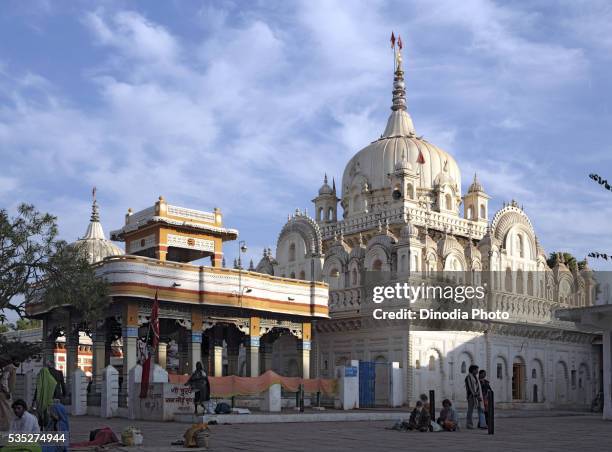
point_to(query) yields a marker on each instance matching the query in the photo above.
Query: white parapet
(271, 401)
(109, 402)
(78, 393)
(348, 386)
(396, 389)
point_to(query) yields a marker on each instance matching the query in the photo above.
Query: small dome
(94, 245)
(475, 186)
(325, 188)
(444, 177)
(403, 164)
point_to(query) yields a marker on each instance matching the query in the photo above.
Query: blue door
(367, 379)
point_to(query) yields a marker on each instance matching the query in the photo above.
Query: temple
(229, 319)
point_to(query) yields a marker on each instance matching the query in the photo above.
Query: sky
(245, 105)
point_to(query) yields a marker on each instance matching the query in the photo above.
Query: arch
(536, 382)
(519, 281)
(320, 214)
(561, 382)
(519, 378)
(508, 280)
(448, 202)
(291, 254)
(470, 212)
(330, 214)
(410, 191)
(483, 211)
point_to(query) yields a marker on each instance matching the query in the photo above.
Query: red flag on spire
(150, 351)
(420, 158)
(392, 40)
(399, 42)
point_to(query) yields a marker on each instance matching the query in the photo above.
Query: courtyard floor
(545, 432)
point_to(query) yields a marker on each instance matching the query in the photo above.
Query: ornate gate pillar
(304, 346)
(252, 346)
(98, 339)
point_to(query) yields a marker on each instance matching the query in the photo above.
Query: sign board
(350, 371)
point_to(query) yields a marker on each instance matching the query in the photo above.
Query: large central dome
(398, 144)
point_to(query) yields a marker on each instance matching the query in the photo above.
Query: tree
(36, 267)
(27, 324)
(71, 282)
(26, 243)
(570, 261)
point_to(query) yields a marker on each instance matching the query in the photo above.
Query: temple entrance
(518, 380)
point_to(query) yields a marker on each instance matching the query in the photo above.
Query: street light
(242, 248)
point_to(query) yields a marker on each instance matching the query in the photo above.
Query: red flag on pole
(146, 366)
(392, 40)
(399, 42)
(420, 158)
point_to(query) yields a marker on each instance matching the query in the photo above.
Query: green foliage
(27, 324)
(26, 242)
(36, 267)
(22, 351)
(570, 260)
(71, 281)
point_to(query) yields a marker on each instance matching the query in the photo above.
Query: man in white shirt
(24, 421)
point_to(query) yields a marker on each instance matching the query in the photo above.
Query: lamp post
(242, 248)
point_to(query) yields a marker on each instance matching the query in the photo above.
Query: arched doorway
(518, 379)
(561, 383)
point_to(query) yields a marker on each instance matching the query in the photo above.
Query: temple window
(463, 367)
(292, 252)
(449, 202)
(483, 211)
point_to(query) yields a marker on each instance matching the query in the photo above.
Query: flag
(399, 42)
(150, 351)
(392, 40)
(420, 158)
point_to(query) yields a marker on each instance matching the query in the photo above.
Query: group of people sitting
(477, 390)
(420, 417)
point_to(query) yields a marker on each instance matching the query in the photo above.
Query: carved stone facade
(401, 199)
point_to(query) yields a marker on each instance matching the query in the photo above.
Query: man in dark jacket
(201, 387)
(473, 394)
(58, 375)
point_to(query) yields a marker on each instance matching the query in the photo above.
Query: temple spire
(399, 123)
(399, 88)
(94, 229)
(95, 211)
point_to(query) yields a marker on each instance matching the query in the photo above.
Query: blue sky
(245, 105)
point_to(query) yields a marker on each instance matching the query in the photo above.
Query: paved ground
(556, 433)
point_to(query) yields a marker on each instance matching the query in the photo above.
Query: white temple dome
(94, 244)
(398, 142)
(325, 188)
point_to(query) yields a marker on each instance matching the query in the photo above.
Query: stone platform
(343, 416)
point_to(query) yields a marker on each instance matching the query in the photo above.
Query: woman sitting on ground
(448, 416)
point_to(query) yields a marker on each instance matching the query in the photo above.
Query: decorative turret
(476, 202)
(94, 244)
(326, 203)
(404, 181)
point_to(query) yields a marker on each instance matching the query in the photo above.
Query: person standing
(46, 389)
(7, 388)
(485, 388)
(473, 394)
(198, 381)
